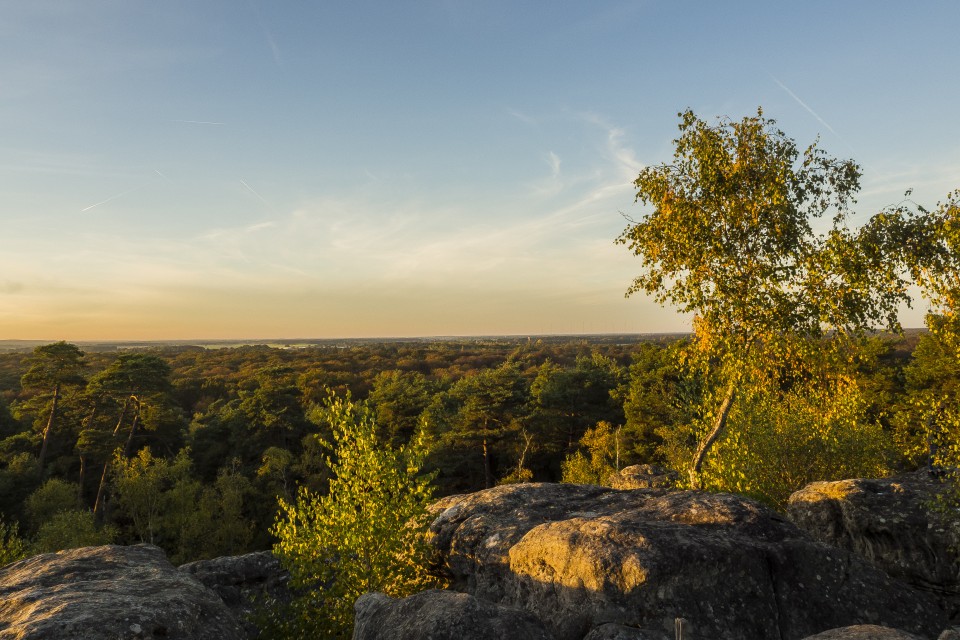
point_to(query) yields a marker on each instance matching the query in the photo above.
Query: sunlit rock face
(894, 523)
(582, 557)
(108, 592)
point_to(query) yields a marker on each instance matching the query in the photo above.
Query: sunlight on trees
(730, 240)
(366, 534)
(601, 460)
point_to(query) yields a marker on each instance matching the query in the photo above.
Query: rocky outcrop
(244, 583)
(581, 557)
(441, 615)
(864, 632)
(890, 522)
(108, 592)
(644, 476)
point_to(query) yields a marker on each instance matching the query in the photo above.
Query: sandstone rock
(109, 592)
(441, 615)
(864, 632)
(890, 523)
(644, 476)
(244, 583)
(579, 557)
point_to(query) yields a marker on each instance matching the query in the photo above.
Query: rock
(579, 557)
(244, 583)
(109, 592)
(644, 476)
(890, 523)
(864, 632)
(950, 634)
(441, 615)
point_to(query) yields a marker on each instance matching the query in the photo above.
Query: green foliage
(53, 497)
(12, 546)
(784, 441)
(366, 534)
(602, 458)
(478, 423)
(72, 529)
(166, 506)
(804, 419)
(566, 401)
(140, 486)
(656, 398)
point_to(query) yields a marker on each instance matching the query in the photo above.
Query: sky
(238, 169)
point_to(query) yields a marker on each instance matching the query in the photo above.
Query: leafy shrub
(366, 534)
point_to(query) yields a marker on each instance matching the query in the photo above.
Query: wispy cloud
(522, 117)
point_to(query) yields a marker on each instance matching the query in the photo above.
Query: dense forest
(191, 448)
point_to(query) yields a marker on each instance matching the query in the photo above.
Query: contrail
(157, 171)
(251, 190)
(817, 116)
(809, 110)
(198, 122)
(119, 195)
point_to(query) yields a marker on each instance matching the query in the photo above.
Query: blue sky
(234, 169)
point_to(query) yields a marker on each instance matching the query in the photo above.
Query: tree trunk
(128, 447)
(98, 503)
(715, 433)
(487, 472)
(83, 474)
(49, 429)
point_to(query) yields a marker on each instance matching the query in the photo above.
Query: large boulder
(245, 583)
(891, 522)
(441, 615)
(106, 593)
(580, 557)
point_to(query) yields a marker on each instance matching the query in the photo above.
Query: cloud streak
(110, 199)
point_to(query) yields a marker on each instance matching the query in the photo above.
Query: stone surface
(441, 615)
(864, 632)
(644, 476)
(890, 522)
(109, 592)
(244, 583)
(579, 557)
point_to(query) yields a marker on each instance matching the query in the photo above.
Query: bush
(70, 530)
(780, 440)
(366, 534)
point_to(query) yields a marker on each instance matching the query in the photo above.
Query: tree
(366, 534)
(479, 414)
(730, 240)
(132, 382)
(52, 367)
